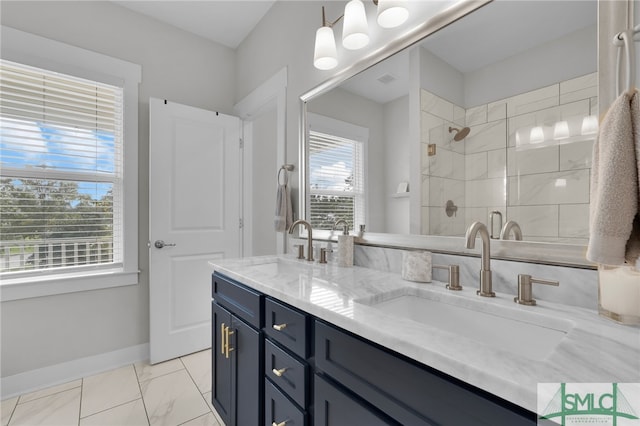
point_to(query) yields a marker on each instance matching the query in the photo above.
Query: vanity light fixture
(391, 13)
(536, 135)
(561, 130)
(355, 32)
(325, 55)
(590, 125)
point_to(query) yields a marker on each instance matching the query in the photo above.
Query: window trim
(36, 51)
(332, 126)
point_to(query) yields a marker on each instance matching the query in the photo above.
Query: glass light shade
(355, 31)
(590, 125)
(392, 13)
(561, 130)
(536, 135)
(325, 56)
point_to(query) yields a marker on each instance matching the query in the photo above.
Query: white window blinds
(61, 177)
(336, 180)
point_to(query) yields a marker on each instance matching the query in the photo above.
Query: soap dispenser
(345, 245)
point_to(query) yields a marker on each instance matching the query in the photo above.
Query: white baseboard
(41, 378)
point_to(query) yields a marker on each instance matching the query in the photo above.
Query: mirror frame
(524, 251)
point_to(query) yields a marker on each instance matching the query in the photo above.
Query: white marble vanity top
(591, 350)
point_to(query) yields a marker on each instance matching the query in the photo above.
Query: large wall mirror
(491, 118)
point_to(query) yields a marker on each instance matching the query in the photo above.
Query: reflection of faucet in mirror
(307, 225)
(491, 215)
(476, 228)
(511, 225)
(345, 226)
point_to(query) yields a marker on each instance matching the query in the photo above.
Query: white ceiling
(227, 22)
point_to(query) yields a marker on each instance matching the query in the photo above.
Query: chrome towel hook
(287, 168)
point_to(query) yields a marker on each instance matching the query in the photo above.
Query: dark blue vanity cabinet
(237, 351)
(287, 368)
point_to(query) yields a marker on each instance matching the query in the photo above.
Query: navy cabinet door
(221, 391)
(333, 407)
(248, 387)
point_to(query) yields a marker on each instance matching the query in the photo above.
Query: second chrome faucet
(486, 287)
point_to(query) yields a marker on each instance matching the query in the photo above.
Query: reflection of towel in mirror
(615, 187)
(284, 210)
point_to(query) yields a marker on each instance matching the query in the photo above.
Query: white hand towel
(632, 254)
(284, 210)
(614, 184)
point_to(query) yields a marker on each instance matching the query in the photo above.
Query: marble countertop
(593, 350)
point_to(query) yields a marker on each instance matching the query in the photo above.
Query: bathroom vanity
(299, 343)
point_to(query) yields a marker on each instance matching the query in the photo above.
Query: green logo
(588, 404)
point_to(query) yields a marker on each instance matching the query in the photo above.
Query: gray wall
(396, 161)
(45, 331)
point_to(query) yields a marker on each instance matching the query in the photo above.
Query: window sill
(25, 288)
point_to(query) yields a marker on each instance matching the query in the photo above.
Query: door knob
(160, 244)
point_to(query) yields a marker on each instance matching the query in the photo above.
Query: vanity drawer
(293, 380)
(239, 299)
(287, 326)
(411, 393)
(278, 408)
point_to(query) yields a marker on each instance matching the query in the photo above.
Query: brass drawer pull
(227, 348)
(279, 327)
(222, 341)
(279, 424)
(279, 372)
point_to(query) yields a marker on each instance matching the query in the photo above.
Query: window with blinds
(336, 180)
(61, 186)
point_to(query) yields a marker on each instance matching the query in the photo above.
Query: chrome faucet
(307, 225)
(511, 225)
(476, 228)
(345, 226)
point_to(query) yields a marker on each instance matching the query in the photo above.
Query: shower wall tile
(424, 161)
(436, 105)
(459, 116)
(594, 107)
(424, 228)
(476, 214)
(574, 221)
(447, 164)
(497, 110)
(578, 88)
(485, 192)
(576, 155)
(441, 224)
(476, 166)
(442, 189)
(533, 101)
(428, 122)
(497, 163)
(425, 190)
(477, 115)
(536, 160)
(485, 137)
(535, 221)
(566, 187)
(449, 142)
(436, 135)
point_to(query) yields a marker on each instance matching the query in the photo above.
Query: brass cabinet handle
(279, 424)
(279, 372)
(222, 342)
(279, 327)
(227, 347)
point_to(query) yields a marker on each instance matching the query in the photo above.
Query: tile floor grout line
(144, 405)
(80, 405)
(159, 375)
(13, 412)
(110, 408)
(45, 396)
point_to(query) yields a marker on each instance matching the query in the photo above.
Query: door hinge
(241, 143)
(241, 223)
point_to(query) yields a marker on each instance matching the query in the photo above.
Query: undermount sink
(528, 334)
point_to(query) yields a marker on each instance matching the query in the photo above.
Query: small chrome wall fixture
(355, 31)
(451, 209)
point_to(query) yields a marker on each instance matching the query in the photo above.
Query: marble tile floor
(172, 393)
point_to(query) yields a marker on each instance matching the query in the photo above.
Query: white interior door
(194, 208)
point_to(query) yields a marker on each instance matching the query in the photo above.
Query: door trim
(269, 95)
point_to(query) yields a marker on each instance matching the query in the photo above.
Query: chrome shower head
(460, 133)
